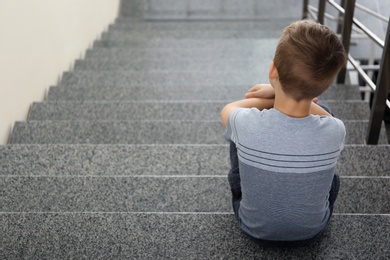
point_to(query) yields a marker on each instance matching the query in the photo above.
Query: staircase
(126, 157)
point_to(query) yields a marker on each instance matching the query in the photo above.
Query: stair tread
(218, 34)
(176, 65)
(183, 43)
(157, 160)
(117, 235)
(144, 132)
(157, 78)
(127, 158)
(142, 25)
(193, 91)
(215, 52)
(163, 110)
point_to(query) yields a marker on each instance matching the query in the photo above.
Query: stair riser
(154, 79)
(173, 194)
(174, 65)
(182, 236)
(187, 91)
(250, 44)
(129, 36)
(234, 25)
(264, 48)
(162, 110)
(173, 160)
(141, 132)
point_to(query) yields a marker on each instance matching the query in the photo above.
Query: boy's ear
(273, 71)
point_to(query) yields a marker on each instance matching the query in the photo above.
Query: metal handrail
(381, 90)
(369, 11)
(367, 31)
(312, 11)
(362, 73)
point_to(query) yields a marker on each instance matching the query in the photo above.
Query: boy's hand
(261, 91)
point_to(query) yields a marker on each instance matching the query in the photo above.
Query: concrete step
(178, 64)
(186, 91)
(161, 194)
(181, 236)
(158, 160)
(264, 47)
(163, 110)
(142, 132)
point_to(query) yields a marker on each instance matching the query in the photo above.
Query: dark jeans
(235, 185)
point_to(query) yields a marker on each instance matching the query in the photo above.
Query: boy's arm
(261, 91)
(259, 103)
(318, 110)
(267, 91)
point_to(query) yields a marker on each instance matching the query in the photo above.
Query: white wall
(38, 41)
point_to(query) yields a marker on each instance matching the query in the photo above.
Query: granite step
(188, 91)
(179, 236)
(209, 79)
(159, 160)
(366, 195)
(163, 110)
(144, 132)
(170, 64)
(182, 43)
(157, 78)
(131, 35)
(268, 25)
(264, 48)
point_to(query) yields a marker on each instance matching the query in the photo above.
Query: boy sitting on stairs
(283, 146)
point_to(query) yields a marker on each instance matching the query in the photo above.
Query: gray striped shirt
(286, 168)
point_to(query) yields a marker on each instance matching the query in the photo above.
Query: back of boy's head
(308, 57)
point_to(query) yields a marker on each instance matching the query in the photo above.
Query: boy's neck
(290, 106)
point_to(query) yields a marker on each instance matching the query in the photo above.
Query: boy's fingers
(254, 88)
(248, 95)
(254, 94)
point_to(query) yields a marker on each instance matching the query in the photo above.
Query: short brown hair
(308, 57)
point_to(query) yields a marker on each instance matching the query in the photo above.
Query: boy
(283, 146)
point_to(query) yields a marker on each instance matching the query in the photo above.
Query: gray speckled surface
(141, 132)
(76, 201)
(156, 78)
(163, 110)
(96, 160)
(107, 160)
(128, 36)
(128, 160)
(180, 236)
(177, 65)
(133, 24)
(181, 43)
(217, 9)
(184, 92)
(263, 48)
(365, 160)
(161, 194)
(118, 132)
(115, 194)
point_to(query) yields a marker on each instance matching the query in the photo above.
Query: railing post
(341, 18)
(321, 11)
(346, 35)
(305, 14)
(380, 96)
